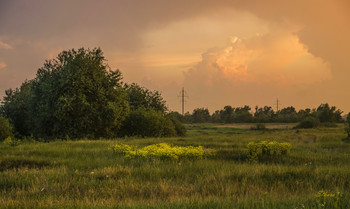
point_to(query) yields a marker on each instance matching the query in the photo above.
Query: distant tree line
(323, 114)
(77, 95)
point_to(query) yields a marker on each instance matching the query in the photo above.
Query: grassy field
(88, 174)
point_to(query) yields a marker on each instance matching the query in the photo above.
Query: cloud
(2, 65)
(276, 59)
(5, 45)
(303, 43)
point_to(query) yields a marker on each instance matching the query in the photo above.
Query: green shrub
(179, 127)
(161, 151)
(5, 128)
(147, 123)
(309, 122)
(264, 149)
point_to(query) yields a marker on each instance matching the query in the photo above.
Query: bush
(265, 149)
(5, 129)
(161, 151)
(309, 122)
(147, 123)
(179, 127)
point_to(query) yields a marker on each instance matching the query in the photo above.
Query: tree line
(77, 95)
(324, 114)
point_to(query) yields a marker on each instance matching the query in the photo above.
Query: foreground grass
(87, 174)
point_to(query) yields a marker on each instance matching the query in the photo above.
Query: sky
(222, 52)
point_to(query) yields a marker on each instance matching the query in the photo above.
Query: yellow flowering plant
(262, 149)
(162, 151)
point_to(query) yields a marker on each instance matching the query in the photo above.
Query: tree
(216, 116)
(264, 115)
(140, 97)
(243, 114)
(77, 95)
(303, 113)
(328, 114)
(227, 114)
(201, 115)
(16, 107)
(287, 115)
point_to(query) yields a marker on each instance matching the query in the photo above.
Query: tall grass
(87, 174)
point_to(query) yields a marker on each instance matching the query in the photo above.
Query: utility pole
(183, 100)
(277, 104)
(183, 97)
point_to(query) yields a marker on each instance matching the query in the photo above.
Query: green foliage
(309, 122)
(140, 97)
(16, 104)
(179, 127)
(287, 115)
(328, 114)
(265, 149)
(263, 115)
(147, 123)
(243, 114)
(200, 115)
(231, 115)
(75, 95)
(5, 129)
(161, 151)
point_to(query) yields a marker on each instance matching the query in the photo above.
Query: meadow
(89, 174)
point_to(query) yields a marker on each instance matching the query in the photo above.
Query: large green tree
(77, 95)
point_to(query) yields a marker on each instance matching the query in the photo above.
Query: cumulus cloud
(276, 59)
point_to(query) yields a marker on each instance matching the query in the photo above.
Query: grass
(87, 174)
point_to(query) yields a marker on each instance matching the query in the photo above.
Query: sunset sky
(222, 52)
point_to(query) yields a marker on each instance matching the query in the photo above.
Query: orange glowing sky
(223, 52)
